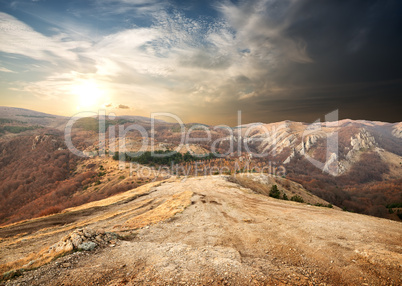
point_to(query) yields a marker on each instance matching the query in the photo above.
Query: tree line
(161, 157)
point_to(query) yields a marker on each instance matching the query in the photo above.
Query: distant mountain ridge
(33, 117)
(288, 140)
(283, 141)
(50, 120)
(34, 159)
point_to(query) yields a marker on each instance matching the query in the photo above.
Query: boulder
(88, 232)
(76, 239)
(87, 246)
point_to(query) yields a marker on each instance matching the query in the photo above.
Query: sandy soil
(227, 235)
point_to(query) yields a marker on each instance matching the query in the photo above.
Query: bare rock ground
(209, 231)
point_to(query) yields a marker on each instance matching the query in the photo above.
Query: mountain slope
(208, 231)
(33, 117)
(289, 140)
(39, 177)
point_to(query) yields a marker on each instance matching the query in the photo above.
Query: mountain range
(233, 217)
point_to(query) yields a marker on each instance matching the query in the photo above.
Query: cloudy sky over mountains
(204, 60)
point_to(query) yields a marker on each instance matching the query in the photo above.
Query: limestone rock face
(311, 140)
(397, 131)
(363, 139)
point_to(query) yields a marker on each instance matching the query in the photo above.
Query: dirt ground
(225, 235)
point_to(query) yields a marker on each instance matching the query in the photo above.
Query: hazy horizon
(172, 120)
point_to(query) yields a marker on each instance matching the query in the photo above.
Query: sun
(88, 94)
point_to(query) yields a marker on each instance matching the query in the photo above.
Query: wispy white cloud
(56, 86)
(3, 69)
(135, 7)
(19, 38)
(176, 61)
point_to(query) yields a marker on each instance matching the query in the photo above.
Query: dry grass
(52, 231)
(177, 203)
(117, 198)
(165, 210)
(251, 184)
(328, 245)
(43, 256)
(32, 261)
(285, 186)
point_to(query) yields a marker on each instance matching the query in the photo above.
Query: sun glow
(88, 94)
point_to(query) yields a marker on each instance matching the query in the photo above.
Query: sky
(204, 60)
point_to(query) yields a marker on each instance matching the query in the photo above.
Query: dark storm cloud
(350, 41)
(355, 47)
